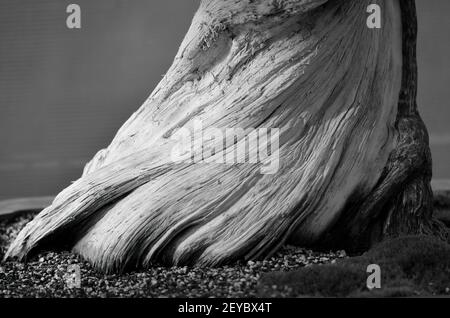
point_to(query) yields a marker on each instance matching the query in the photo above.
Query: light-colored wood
(311, 68)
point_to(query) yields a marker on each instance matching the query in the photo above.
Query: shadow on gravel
(410, 266)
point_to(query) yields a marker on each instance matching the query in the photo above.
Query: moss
(410, 266)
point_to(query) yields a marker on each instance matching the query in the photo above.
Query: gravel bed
(46, 275)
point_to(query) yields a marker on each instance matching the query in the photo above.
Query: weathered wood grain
(353, 150)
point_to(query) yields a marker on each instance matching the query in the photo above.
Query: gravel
(47, 274)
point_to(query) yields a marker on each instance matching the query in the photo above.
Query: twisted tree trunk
(354, 161)
(402, 201)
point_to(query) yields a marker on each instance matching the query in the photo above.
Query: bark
(402, 201)
(355, 165)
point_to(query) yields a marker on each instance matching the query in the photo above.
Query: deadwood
(355, 165)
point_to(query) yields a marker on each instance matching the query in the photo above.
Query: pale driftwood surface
(310, 68)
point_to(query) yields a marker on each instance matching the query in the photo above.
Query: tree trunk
(402, 201)
(354, 162)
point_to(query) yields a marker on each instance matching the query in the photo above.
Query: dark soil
(410, 266)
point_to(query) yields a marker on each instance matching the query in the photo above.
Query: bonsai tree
(354, 161)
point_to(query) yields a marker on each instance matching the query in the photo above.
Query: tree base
(355, 162)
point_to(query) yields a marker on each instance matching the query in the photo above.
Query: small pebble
(48, 276)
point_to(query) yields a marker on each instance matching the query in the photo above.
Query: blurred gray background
(64, 93)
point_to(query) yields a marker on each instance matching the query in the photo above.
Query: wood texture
(354, 157)
(402, 201)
